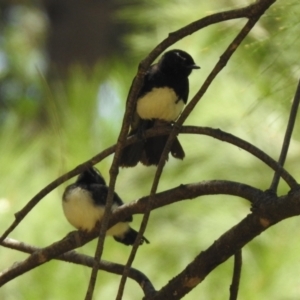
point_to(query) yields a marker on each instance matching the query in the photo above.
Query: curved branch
(77, 238)
(216, 133)
(85, 260)
(229, 138)
(268, 211)
(244, 12)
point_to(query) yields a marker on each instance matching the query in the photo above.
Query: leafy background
(51, 122)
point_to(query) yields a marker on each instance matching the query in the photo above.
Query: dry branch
(267, 210)
(87, 261)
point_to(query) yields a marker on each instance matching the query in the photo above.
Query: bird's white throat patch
(81, 212)
(160, 103)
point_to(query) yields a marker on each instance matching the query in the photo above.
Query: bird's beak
(194, 67)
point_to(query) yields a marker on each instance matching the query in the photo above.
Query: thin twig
(270, 212)
(234, 287)
(244, 12)
(114, 170)
(230, 138)
(287, 138)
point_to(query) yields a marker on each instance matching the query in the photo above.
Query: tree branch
(234, 287)
(77, 238)
(267, 211)
(287, 138)
(88, 261)
(229, 138)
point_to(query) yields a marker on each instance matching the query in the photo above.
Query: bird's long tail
(132, 154)
(148, 151)
(129, 237)
(154, 147)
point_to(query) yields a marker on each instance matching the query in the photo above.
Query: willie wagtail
(160, 102)
(84, 205)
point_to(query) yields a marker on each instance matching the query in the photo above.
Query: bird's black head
(177, 61)
(90, 176)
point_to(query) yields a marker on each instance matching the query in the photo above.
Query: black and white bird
(160, 102)
(84, 206)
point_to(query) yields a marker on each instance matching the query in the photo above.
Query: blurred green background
(65, 71)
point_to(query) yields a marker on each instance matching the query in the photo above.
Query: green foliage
(72, 121)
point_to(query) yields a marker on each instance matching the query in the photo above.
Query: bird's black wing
(132, 154)
(99, 194)
(154, 78)
(149, 81)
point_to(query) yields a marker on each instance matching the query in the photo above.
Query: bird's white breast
(160, 103)
(83, 214)
(80, 210)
